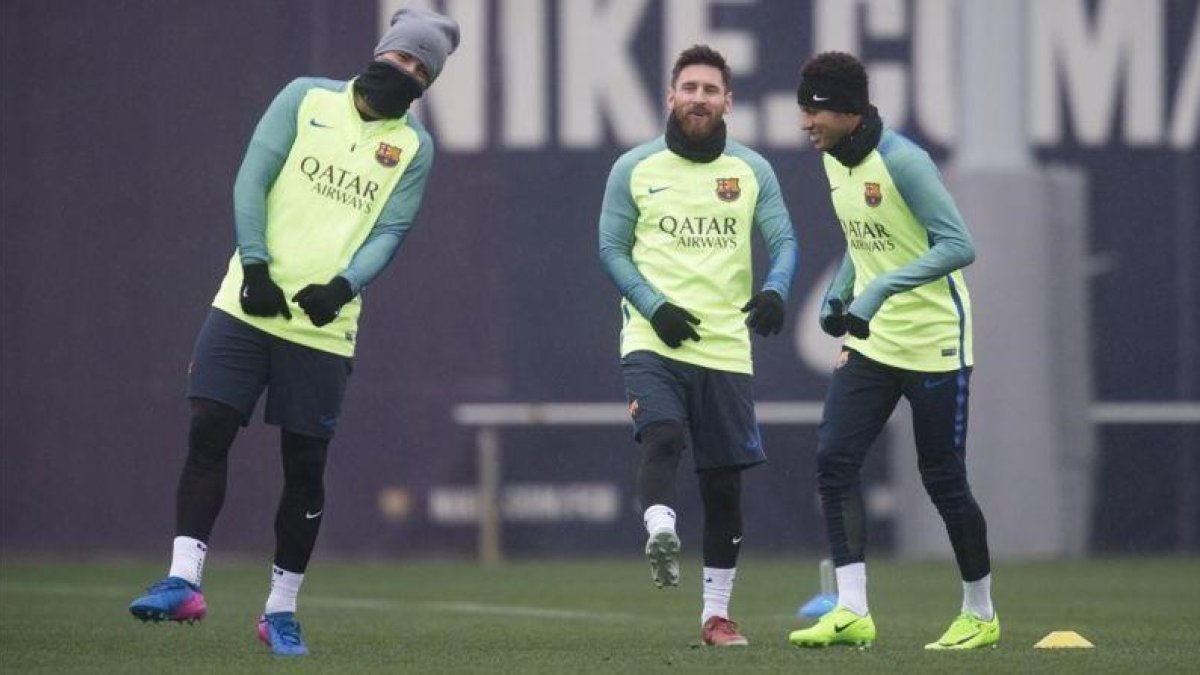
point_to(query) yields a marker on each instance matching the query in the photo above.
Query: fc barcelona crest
(728, 189)
(872, 194)
(387, 155)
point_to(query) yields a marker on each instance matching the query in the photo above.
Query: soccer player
(900, 295)
(328, 190)
(675, 239)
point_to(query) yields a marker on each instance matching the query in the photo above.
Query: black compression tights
(721, 492)
(662, 448)
(201, 490)
(303, 501)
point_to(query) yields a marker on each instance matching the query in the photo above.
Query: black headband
(826, 93)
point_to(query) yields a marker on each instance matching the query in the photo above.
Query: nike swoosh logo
(659, 189)
(932, 384)
(737, 539)
(310, 516)
(838, 629)
(820, 98)
(318, 125)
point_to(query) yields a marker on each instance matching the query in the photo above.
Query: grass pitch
(594, 617)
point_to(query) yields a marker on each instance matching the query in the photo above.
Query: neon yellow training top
(322, 193)
(676, 230)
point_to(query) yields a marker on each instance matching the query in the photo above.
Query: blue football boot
(281, 632)
(171, 599)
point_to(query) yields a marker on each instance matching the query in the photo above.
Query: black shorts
(233, 362)
(715, 406)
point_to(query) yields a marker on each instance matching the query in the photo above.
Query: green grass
(580, 617)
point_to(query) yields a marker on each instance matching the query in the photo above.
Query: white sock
(852, 587)
(187, 559)
(718, 586)
(659, 517)
(977, 598)
(285, 586)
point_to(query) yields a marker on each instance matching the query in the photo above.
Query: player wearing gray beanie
(337, 213)
(426, 36)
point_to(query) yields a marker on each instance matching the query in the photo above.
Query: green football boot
(662, 550)
(969, 631)
(839, 626)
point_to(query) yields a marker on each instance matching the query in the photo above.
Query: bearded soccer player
(900, 295)
(675, 239)
(328, 189)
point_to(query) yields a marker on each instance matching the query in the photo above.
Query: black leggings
(720, 491)
(201, 490)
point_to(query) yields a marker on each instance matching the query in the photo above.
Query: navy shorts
(715, 406)
(863, 393)
(233, 362)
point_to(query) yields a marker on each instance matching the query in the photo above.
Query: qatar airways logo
(340, 185)
(706, 232)
(866, 236)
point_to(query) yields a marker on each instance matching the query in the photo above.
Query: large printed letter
(836, 26)
(1126, 42)
(1186, 110)
(456, 106)
(598, 77)
(523, 50)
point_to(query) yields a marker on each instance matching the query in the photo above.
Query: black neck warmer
(855, 147)
(702, 150)
(387, 89)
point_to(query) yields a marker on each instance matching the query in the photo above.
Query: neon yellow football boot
(839, 626)
(969, 631)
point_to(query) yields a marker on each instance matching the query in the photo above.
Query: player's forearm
(619, 267)
(375, 254)
(254, 179)
(945, 257)
(782, 270)
(780, 239)
(841, 287)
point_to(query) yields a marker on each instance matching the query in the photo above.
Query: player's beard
(697, 127)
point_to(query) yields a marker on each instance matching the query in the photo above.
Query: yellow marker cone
(1063, 639)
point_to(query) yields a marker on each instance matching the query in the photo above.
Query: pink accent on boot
(192, 609)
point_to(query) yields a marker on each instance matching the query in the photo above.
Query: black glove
(323, 302)
(260, 295)
(858, 326)
(674, 325)
(766, 313)
(834, 322)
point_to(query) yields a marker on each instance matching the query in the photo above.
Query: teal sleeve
(775, 224)
(395, 220)
(265, 156)
(618, 216)
(841, 287)
(950, 246)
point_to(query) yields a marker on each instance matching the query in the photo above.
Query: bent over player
(327, 191)
(900, 294)
(675, 239)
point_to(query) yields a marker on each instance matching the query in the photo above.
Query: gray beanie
(426, 36)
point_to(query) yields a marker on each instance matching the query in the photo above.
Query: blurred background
(1067, 129)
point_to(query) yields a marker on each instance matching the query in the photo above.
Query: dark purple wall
(121, 127)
